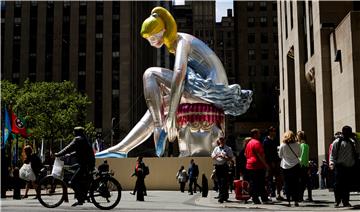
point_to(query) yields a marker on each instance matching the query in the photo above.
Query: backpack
(146, 170)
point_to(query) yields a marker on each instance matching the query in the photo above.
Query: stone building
(319, 69)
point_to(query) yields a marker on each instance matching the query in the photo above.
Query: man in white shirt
(221, 155)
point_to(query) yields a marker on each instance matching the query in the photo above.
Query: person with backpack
(141, 170)
(342, 160)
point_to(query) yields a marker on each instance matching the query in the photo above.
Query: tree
(8, 92)
(51, 109)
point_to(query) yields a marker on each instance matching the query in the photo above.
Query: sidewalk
(323, 201)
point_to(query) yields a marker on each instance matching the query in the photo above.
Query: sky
(221, 7)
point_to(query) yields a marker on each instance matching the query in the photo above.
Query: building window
(251, 54)
(264, 54)
(251, 37)
(116, 54)
(263, 21)
(264, 37)
(252, 71)
(263, 6)
(276, 54)
(275, 21)
(274, 6)
(251, 22)
(250, 6)
(275, 37)
(265, 70)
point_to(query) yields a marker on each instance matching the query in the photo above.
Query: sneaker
(296, 204)
(337, 205)
(132, 193)
(220, 201)
(76, 204)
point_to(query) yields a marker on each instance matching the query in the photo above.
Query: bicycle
(104, 190)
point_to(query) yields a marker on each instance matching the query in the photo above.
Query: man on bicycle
(81, 148)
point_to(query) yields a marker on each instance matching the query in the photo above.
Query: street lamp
(112, 131)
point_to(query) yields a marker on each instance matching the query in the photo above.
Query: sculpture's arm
(177, 85)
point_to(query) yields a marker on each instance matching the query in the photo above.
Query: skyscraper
(95, 44)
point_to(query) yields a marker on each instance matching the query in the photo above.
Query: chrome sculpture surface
(187, 102)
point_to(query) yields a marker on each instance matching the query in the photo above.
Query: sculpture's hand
(171, 128)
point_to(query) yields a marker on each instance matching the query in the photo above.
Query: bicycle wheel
(105, 193)
(51, 191)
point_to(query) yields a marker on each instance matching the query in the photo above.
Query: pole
(112, 131)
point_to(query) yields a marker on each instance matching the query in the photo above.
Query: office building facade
(94, 44)
(256, 66)
(319, 69)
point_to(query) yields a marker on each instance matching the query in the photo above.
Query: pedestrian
(36, 166)
(273, 160)
(324, 170)
(182, 178)
(289, 153)
(241, 160)
(342, 161)
(305, 172)
(256, 167)
(231, 173)
(193, 173)
(221, 155)
(140, 173)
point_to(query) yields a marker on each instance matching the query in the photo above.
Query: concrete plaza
(177, 201)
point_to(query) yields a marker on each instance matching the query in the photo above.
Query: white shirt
(288, 158)
(225, 150)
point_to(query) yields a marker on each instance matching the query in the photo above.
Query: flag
(7, 126)
(18, 125)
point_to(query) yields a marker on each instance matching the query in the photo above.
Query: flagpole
(17, 150)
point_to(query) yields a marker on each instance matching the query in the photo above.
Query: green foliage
(8, 92)
(51, 109)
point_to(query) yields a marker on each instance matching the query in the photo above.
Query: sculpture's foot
(106, 154)
(160, 137)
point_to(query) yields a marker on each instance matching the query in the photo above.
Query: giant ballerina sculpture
(189, 102)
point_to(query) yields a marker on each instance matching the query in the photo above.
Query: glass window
(251, 21)
(252, 71)
(250, 6)
(251, 37)
(263, 5)
(265, 70)
(264, 37)
(263, 21)
(275, 21)
(251, 54)
(264, 54)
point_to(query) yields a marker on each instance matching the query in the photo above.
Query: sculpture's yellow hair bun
(161, 19)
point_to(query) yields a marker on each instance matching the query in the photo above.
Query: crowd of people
(281, 170)
(284, 170)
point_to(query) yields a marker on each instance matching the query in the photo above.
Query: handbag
(26, 172)
(57, 170)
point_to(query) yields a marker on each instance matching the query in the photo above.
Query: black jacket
(81, 148)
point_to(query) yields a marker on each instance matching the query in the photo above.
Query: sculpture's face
(157, 40)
